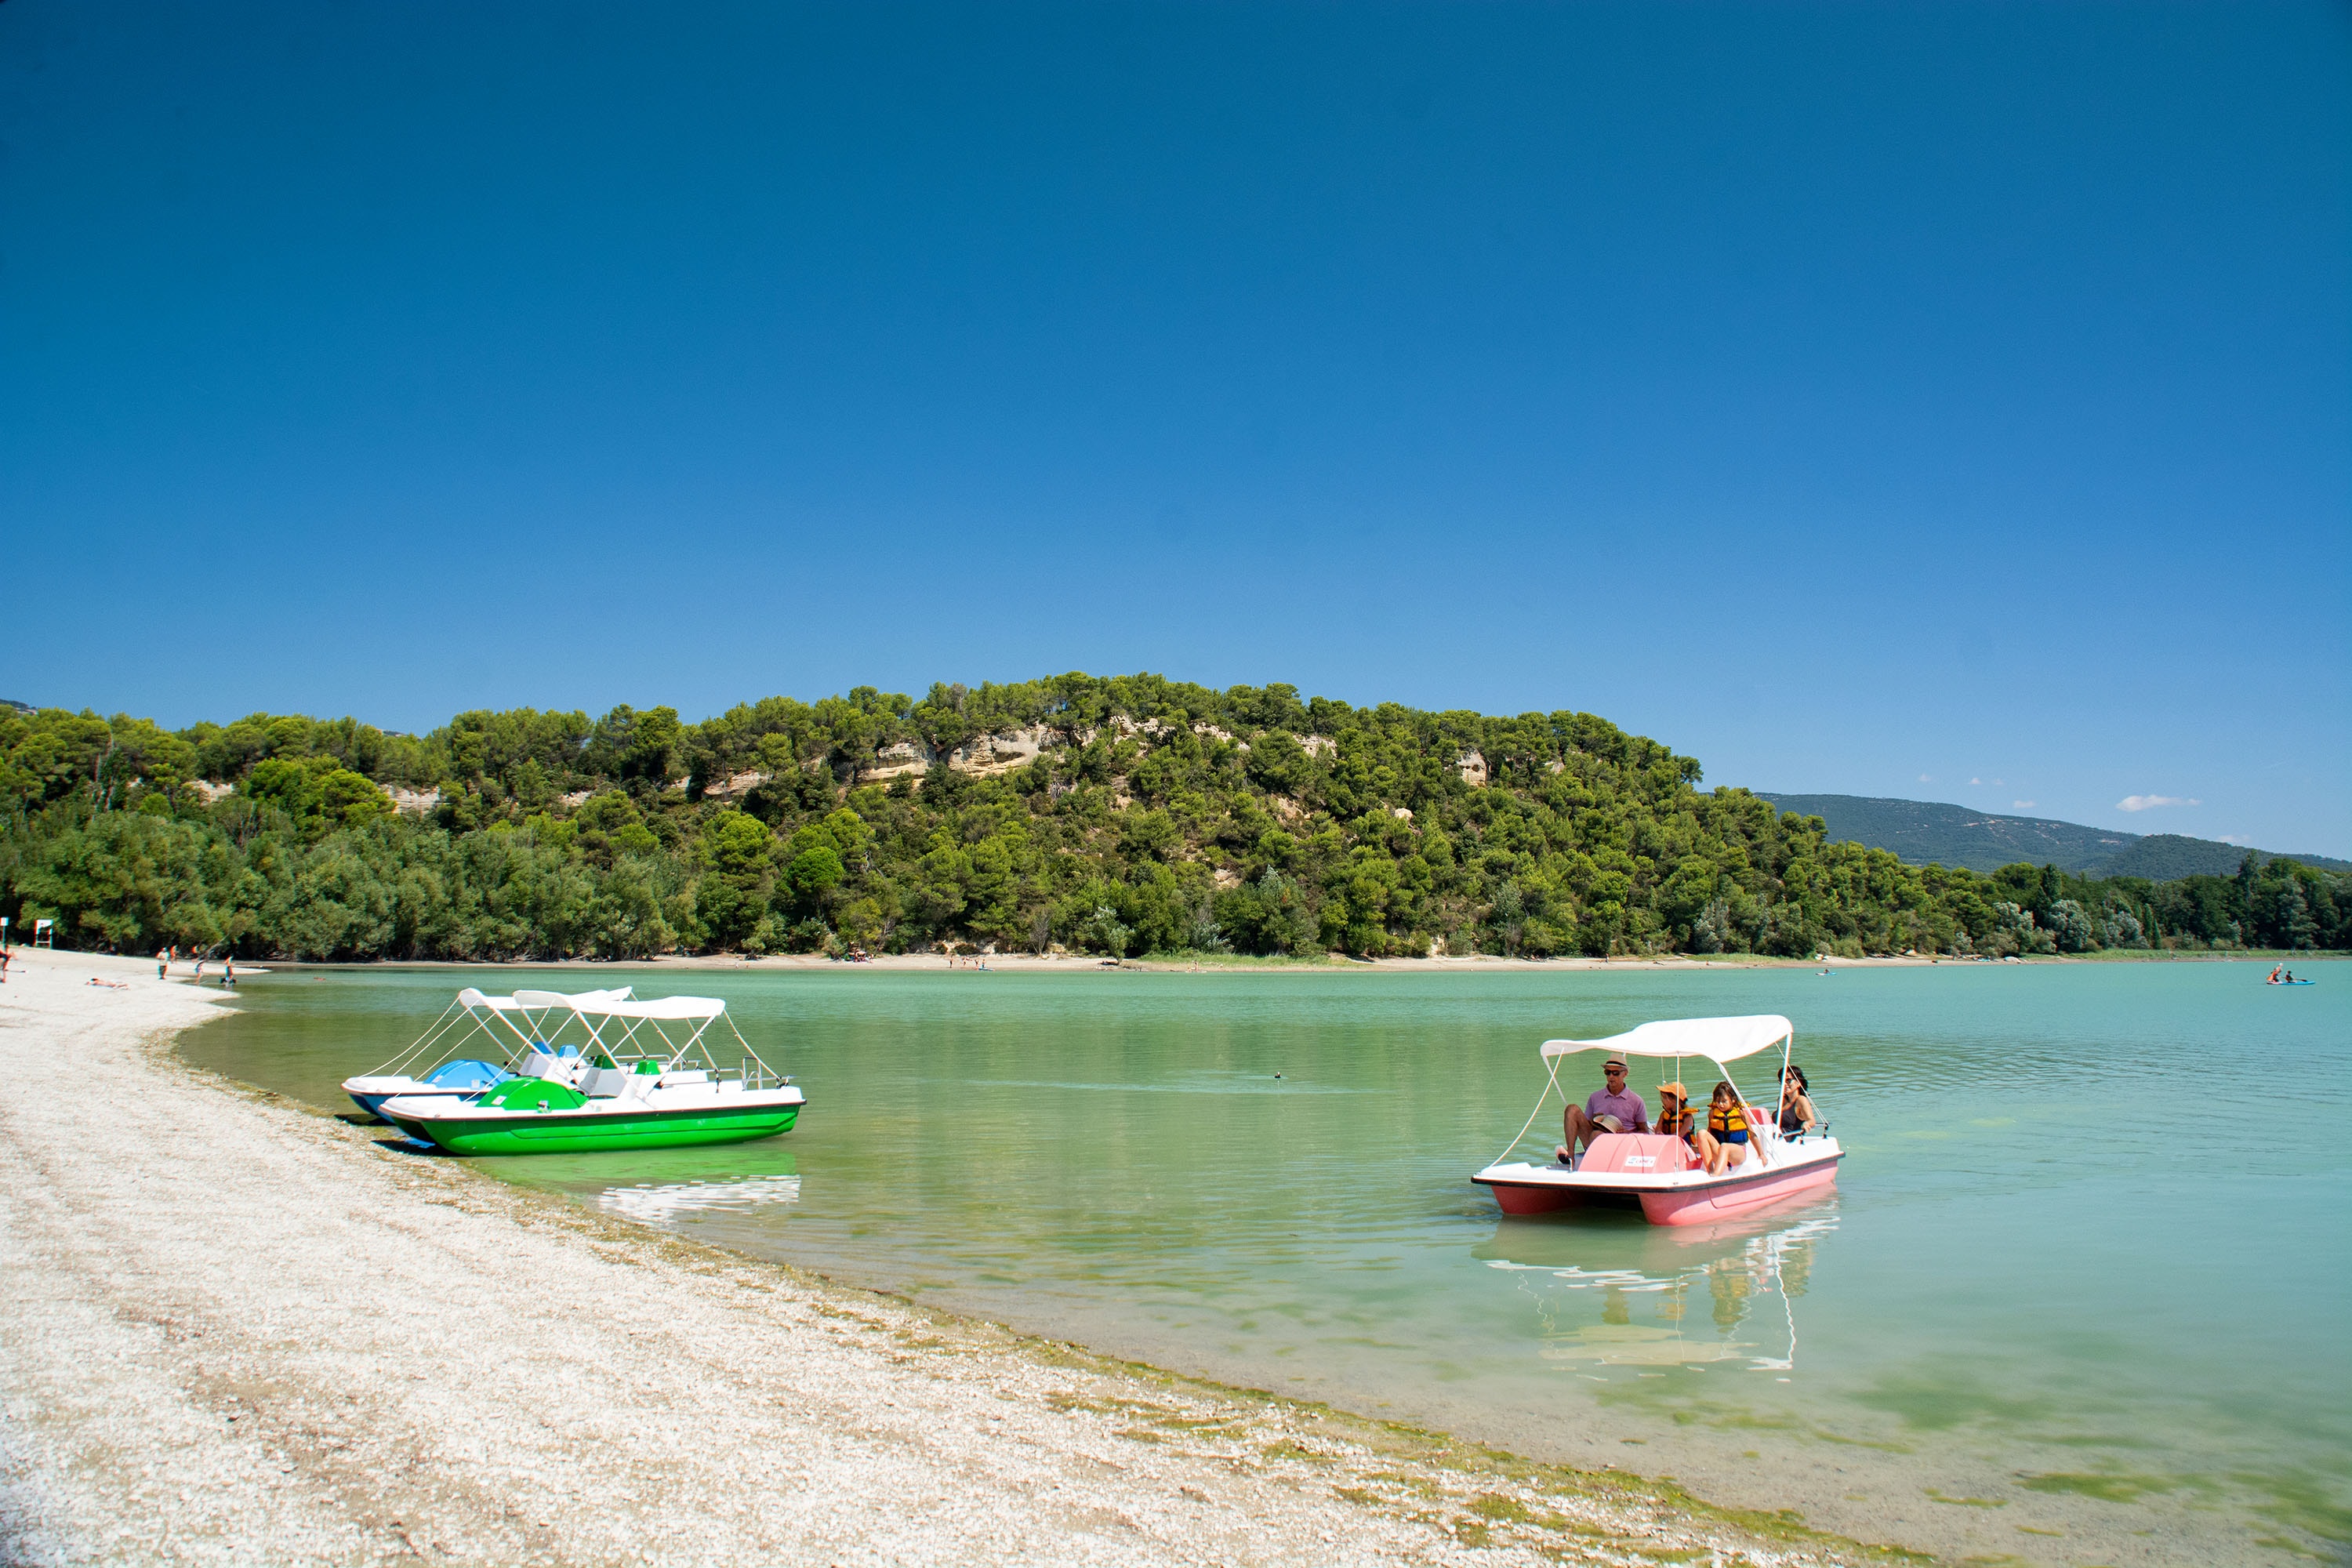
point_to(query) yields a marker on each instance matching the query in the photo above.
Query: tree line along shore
(1121, 815)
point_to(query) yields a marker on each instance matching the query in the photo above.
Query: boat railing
(755, 1073)
(758, 1075)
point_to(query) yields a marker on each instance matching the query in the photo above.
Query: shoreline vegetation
(1114, 818)
(1244, 963)
(203, 1362)
(1319, 964)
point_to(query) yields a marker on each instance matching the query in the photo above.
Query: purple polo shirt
(1626, 1107)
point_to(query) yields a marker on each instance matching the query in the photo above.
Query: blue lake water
(2081, 1295)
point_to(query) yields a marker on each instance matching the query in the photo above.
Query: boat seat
(1635, 1155)
(603, 1083)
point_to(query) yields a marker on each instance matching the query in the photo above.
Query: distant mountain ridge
(1919, 832)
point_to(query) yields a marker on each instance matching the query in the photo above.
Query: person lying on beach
(1796, 1103)
(1611, 1109)
(1726, 1124)
(109, 985)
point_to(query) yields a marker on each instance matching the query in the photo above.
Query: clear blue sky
(1841, 394)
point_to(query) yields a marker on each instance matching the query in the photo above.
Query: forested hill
(2163, 856)
(1924, 831)
(1119, 816)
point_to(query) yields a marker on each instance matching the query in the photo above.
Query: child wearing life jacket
(1727, 1127)
(1676, 1120)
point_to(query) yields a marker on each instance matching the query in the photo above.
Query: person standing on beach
(163, 962)
(229, 972)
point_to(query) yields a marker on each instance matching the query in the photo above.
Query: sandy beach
(235, 1331)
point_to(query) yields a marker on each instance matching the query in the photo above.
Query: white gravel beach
(235, 1331)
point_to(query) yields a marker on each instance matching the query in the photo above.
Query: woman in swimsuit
(1796, 1103)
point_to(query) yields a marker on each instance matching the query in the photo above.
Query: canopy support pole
(1552, 1083)
(422, 1041)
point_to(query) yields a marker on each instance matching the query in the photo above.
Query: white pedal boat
(1657, 1172)
(643, 1078)
(513, 1027)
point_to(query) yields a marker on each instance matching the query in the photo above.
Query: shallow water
(2054, 1309)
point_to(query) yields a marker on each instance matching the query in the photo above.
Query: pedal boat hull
(1623, 1169)
(453, 1081)
(371, 1098)
(599, 1124)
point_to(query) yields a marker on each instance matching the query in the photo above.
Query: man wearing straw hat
(1611, 1108)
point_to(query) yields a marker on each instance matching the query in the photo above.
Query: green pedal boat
(643, 1078)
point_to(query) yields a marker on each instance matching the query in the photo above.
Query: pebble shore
(235, 1331)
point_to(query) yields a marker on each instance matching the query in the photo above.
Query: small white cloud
(2021, 805)
(1976, 781)
(1925, 779)
(2242, 840)
(2150, 802)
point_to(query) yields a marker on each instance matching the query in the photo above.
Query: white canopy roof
(661, 1007)
(1717, 1039)
(533, 1001)
(613, 1004)
(577, 1000)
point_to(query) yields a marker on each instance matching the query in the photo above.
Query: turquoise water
(2081, 1292)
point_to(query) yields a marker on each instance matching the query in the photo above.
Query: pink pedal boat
(1660, 1173)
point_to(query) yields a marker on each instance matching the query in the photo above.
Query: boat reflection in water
(666, 1187)
(1631, 1296)
(648, 1204)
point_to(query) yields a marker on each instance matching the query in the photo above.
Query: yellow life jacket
(1726, 1119)
(1677, 1125)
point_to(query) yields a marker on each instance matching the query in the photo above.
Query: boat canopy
(1718, 1039)
(598, 1012)
(533, 1001)
(656, 1007)
(615, 1025)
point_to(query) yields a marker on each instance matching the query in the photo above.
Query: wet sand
(234, 1330)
